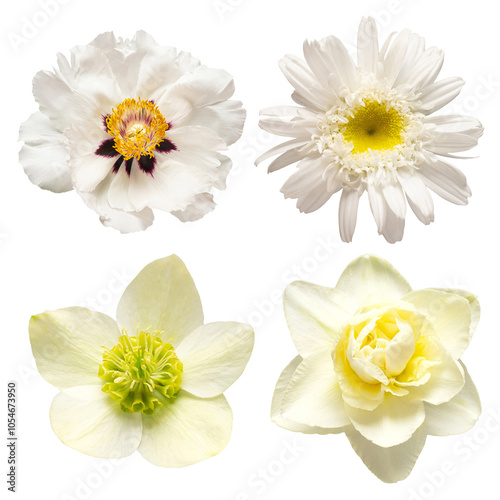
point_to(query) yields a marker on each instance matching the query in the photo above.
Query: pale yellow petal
(162, 297)
(315, 316)
(449, 317)
(370, 280)
(313, 396)
(186, 431)
(393, 422)
(457, 415)
(214, 356)
(68, 344)
(390, 464)
(90, 421)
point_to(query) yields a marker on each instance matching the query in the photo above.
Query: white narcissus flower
(130, 126)
(379, 362)
(370, 127)
(152, 381)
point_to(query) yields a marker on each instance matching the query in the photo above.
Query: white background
(55, 253)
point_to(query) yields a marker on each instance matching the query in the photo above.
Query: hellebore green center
(142, 373)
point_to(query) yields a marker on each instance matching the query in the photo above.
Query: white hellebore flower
(152, 381)
(130, 126)
(379, 362)
(369, 127)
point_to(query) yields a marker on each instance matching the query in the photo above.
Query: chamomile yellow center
(142, 373)
(371, 131)
(373, 126)
(137, 126)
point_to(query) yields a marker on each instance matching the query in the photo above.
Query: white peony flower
(379, 362)
(152, 381)
(131, 126)
(368, 127)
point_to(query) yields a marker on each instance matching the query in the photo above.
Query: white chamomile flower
(130, 126)
(370, 127)
(152, 381)
(380, 362)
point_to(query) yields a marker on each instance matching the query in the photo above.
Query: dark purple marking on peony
(166, 146)
(117, 165)
(107, 149)
(104, 118)
(128, 165)
(147, 164)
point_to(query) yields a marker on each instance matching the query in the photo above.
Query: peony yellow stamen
(373, 126)
(137, 127)
(142, 373)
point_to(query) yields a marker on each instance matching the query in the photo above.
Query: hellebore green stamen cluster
(142, 373)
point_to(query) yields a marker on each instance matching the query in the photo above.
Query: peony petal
(315, 316)
(200, 87)
(204, 203)
(45, 156)
(186, 431)
(313, 396)
(163, 297)
(86, 89)
(370, 280)
(201, 206)
(90, 421)
(449, 316)
(225, 118)
(390, 464)
(214, 356)
(457, 415)
(88, 168)
(125, 57)
(57, 100)
(158, 70)
(118, 197)
(393, 422)
(125, 222)
(178, 179)
(68, 345)
(179, 176)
